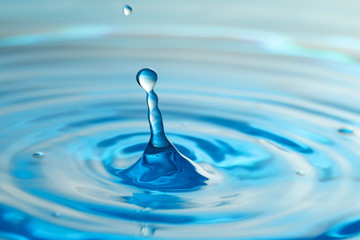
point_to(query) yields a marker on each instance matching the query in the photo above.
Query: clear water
(127, 10)
(261, 95)
(161, 167)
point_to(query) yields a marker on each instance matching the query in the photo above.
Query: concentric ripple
(273, 117)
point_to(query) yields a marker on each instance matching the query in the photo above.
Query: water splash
(161, 166)
(243, 118)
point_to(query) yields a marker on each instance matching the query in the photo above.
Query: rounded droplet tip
(38, 155)
(146, 78)
(127, 10)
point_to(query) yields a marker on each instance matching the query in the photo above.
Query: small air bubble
(127, 10)
(346, 131)
(38, 155)
(56, 214)
(300, 173)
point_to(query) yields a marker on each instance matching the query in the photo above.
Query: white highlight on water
(300, 173)
(38, 155)
(127, 10)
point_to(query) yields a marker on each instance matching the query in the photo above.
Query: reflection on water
(262, 95)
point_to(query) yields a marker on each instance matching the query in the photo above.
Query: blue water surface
(259, 135)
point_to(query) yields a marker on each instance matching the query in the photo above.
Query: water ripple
(272, 115)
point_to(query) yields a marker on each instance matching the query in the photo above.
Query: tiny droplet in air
(127, 10)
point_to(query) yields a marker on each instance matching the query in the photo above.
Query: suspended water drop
(38, 155)
(127, 10)
(146, 78)
(346, 131)
(300, 173)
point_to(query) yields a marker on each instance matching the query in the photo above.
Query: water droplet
(127, 10)
(346, 131)
(38, 155)
(56, 214)
(146, 78)
(300, 173)
(161, 166)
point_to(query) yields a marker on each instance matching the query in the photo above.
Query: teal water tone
(258, 135)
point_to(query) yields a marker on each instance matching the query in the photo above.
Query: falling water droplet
(346, 131)
(38, 155)
(300, 173)
(127, 10)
